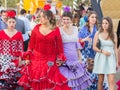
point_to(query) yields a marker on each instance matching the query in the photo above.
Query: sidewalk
(117, 77)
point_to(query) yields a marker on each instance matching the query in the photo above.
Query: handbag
(98, 44)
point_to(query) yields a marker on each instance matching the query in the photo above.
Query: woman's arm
(79, 55)
(32, 39)
(28, 54)
(59, 46)
(95, 48)
(79, 47)
(82, 35)
(95, 40)
(20, 49)
(85, 39)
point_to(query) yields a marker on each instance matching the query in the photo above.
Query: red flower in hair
(11, 13)
(47, 7)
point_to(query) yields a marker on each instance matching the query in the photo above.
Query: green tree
(10, 3)
(70, 2)
(0, 3)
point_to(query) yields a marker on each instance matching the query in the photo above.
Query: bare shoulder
(97, 33)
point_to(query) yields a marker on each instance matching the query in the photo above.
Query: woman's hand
(20, 62)
(106, 53)
(27, 62)
(87, 39)
(80, 61)
(59, 62)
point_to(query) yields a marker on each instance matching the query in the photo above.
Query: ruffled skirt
(77, 75)
(41, 76)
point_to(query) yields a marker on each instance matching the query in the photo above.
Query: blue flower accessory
(86, 18)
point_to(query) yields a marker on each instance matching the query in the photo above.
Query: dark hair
(37, 10)
(3, 11)
(14, 11)
(28, 11)
(50, 17)
(81, 6)
(23, 11)
(118, 34)
(11, 18)
(88, 15)
(67, 14)
(110, 28)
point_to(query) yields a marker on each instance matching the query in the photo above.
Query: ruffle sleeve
(59, 46)
(20, 46)
(81, 35)
(82, 32)
(28, 54)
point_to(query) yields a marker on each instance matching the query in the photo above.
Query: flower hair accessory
(66, 9)
(11, 13)
(47, 7)
(86, 18)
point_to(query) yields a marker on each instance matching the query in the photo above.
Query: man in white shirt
(27, 27)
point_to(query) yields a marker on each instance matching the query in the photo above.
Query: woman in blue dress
(86, 35)
(107, 56)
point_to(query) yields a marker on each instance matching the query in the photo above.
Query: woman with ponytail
(44, 55)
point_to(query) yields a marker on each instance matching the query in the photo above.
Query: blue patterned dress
(88, 52)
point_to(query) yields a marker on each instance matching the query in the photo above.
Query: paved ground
(118, 76)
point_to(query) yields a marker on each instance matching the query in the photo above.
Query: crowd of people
(46, 51)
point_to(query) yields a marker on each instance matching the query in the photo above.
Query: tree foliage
(70, 2)
(10, 3)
